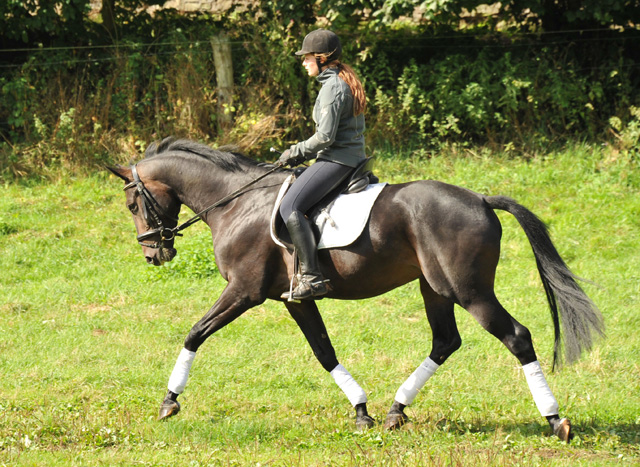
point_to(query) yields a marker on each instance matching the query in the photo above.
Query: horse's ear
(122, 172)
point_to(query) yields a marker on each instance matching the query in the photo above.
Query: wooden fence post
(224, 75)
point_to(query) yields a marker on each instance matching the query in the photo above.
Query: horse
(446, 237)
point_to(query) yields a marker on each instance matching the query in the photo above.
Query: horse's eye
(133, 208)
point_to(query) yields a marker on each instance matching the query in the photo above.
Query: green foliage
(195, 260)
(494, 96)
(18, 94)
(561, 15)
(629, 133)
(63, 22)
(80, 110)
(523, 14)
(35, 21)
(432, 81)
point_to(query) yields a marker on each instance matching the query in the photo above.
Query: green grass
(89, 334)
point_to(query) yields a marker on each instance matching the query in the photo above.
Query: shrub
(81, 107)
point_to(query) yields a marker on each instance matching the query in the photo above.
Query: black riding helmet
(321, 41)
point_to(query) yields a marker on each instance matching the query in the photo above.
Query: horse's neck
(200, 187)
(198, 193)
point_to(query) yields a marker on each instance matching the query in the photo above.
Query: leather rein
(153, 212)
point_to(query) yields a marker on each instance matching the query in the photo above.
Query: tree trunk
(108, 21)
(224, 75)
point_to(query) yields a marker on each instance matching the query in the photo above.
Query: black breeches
(312, 186)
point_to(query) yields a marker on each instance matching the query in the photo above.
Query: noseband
(153, 214)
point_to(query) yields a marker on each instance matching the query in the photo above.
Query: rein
(150, 205)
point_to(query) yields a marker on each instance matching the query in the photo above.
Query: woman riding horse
(338, 145)
(446, 237)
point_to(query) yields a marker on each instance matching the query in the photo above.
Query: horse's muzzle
(162, 255)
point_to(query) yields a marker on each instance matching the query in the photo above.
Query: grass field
(89, 334)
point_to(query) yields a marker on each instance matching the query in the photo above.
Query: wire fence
(507, 41)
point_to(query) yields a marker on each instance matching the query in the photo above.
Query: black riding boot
(311, 282)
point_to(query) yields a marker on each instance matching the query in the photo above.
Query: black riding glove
(291, 157)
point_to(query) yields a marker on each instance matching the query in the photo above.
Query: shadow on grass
(588, 432)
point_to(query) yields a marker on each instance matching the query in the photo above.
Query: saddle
(360, 180)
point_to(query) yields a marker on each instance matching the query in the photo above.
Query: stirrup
(307, 288)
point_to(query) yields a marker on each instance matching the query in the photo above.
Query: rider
(338, 146)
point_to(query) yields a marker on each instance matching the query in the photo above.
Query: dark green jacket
(339, 134)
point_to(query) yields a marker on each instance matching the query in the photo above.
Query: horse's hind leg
(308, 318)
(517, 338)
(446, 340)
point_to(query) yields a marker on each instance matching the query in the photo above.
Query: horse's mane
(230, 161)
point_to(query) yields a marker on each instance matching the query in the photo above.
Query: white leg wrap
(409, 389)
(180, 373)
(542, 395)
(349, 386)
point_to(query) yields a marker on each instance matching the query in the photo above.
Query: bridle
(153, 212)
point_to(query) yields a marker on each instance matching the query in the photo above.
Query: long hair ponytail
(351, 78)
(357, 90)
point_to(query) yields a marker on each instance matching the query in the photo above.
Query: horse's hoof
(169, 408)
(562, 429)
(363, 423)
(395, 420)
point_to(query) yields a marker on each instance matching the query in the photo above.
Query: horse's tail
(569, 304)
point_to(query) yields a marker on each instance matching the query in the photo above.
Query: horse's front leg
(309, 320)
(231, 304)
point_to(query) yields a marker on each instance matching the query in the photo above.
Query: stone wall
(212, 6)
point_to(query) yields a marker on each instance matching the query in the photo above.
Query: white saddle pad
(341, 222)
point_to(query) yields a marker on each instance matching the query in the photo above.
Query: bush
(81, 107)
(493, 95)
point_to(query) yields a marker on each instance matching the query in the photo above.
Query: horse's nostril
(149, 259)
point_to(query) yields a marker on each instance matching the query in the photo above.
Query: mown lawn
(89, 334)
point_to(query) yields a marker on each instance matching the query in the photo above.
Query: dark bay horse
(446, 237)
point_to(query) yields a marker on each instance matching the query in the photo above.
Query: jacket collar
(326, 74)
